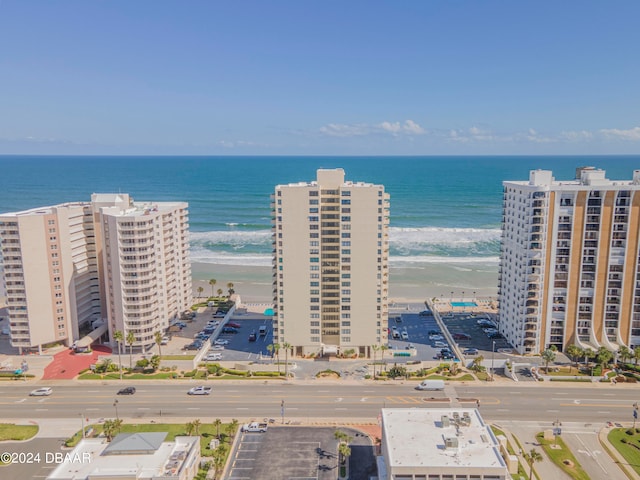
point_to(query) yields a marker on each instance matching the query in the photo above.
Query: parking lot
(303, 453)
(463, 327)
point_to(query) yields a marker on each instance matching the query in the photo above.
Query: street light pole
(556, 429)
(493, 352)
(115, 405)
(282, 411)
(82, 418)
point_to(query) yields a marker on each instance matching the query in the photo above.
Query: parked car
(253, 336)
(41, 392)
(127, 391)
(425, 313)
(221, 341)
(200, 390)
(229, 330)
(164, 341)
(398, 319)
(213, 357)
(461, 336)
(233, 324)
(436, 337)
(405, 336)
(439, 344)
(217, 347)
(470, 351)
(435, 332)
(495, 335)
(193, 346)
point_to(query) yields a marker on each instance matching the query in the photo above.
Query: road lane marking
(143, 408)
(90, 409)
(340, 408)
(553, 411)
(242, 408)
(42, 409)
(605, 412)
(193, 408)
(20, 401)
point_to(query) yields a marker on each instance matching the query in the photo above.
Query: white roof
(415, 438)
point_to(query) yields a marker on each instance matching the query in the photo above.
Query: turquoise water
(463, 304)
(444, 210)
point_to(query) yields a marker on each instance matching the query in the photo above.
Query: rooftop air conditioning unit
(445, 421)
(451, 442)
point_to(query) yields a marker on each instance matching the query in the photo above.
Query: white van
(431, 385)
(262, 330)
(440, 344)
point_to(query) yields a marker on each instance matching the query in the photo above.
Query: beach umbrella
(269, 312)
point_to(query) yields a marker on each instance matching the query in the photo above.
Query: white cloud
(632, 134)
(576, 136)
(408, 127)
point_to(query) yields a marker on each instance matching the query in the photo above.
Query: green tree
(286, 346)
(196, 426)
(383, 348)
(231, 428)
(155, 362)
(548, 356)
(216, 423)
(636, 355)
(624, 353)
(532, 457)
(200, 290)
(376, 349)
(110, 428)
(276, 349)
(230, 287)
(345, 452)
(476, 365)
(188, 428)
(219, 292)
(212, 282)
(218, 463)
(603, 357)
(118, 336)
(158, 339)
(574, 351)
(131, 339)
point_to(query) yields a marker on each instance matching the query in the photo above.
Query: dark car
(434, 332)
(253, 336)
(127, 391)
(229, 330)
(425, 313)
(495, 335)
(461, 336)
(470, 351)
(233, 324)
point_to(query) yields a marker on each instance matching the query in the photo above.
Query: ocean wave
(408, 237)
(444, 260)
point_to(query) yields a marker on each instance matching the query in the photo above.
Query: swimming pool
(464, 304)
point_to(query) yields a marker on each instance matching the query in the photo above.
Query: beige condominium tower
(569, 262)
(68, 268)
(330, 265)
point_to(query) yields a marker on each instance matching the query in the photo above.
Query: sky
(330, 77)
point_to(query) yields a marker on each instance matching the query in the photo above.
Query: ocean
(445, 211)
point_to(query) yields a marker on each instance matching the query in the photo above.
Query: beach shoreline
(408, 284)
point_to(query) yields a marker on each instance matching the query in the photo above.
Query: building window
(348, 340)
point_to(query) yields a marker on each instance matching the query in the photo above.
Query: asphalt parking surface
(417, 328)
(47, 448)
(303, 453)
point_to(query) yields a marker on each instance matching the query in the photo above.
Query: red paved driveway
(67, 365)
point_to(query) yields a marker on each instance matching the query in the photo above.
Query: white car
(200, 390)
(221, 341)
(41, 392)
(213, 356)
(436, 337)
(405, 336)
(217, 347)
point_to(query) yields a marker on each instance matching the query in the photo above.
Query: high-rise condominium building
(50, 273)
(111, 260)
(569, 262)
(147, 273)
(330, 265)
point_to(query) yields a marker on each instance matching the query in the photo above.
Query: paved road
(362, 400)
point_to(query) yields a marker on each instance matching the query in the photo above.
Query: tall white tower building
(569, 262)
(330, 265)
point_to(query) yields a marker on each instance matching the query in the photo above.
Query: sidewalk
(617, 458)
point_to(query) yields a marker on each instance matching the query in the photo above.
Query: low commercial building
(438, 444)
(139, 456)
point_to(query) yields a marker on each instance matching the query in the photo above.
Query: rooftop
(423, 437)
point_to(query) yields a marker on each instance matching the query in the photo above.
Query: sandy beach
(407, 284)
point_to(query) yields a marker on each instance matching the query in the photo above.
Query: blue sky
(319, 77)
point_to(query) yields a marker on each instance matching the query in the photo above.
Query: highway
(314, 401)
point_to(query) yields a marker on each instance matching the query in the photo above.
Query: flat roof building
(330, 265)
(569, 262)
(438, 444)
(139, 456)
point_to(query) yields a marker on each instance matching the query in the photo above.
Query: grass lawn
(134, 376)
(464, 378)
(10, 431)
(207, 433)
(630, 453)
(177, 357)
(563, 371)
(483, 376)
(561, 455)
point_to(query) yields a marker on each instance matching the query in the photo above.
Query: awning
(92, 336)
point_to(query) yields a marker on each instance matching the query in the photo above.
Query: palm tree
(636, 355)
(603, 357)
(624, 353)
(383, 348)
(110, 428)
(118, 336)
(218, 463)
(375, 349)
(158, 339)
(196, 426)
(477, 363)
(232, 427)
(230, 287)
(200, 290)
(131, 339)
(574, 351)
(189, 428)
(548, 356)
(286, 346)
(216, 423)
(532, 457)
(345, 452)
(212, 282)
(276, 349)
(219, 292)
